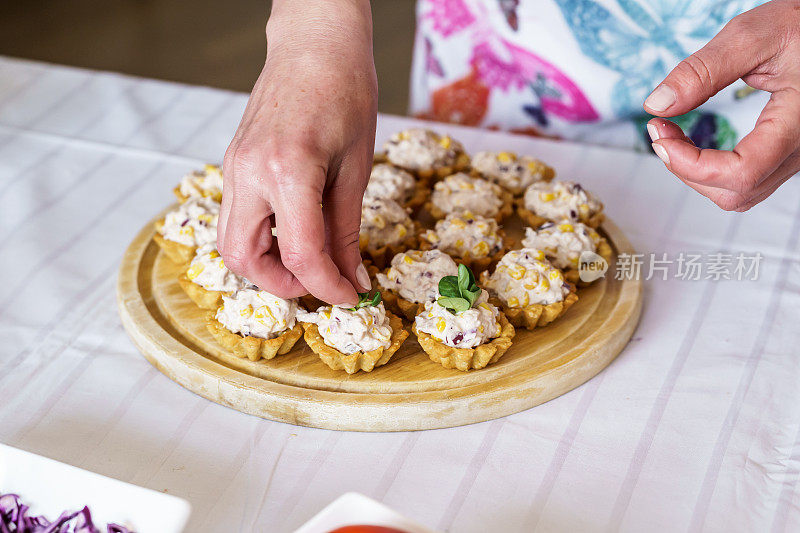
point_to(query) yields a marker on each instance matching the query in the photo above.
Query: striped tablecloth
(695, 427)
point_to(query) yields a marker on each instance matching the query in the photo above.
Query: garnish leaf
(365, 300)
(458, 293)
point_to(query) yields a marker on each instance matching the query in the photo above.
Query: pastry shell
(352, 363)
(476, 264)
(468, 358)
(253, 348)
(506, 208)
(380, 257)
(202, 297)
(180, 254)
(536, 315)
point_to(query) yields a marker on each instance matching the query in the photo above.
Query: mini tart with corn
(531, 291)
(182, 231)
(426, 153)
(513, 173)
(207, 279)
(461, 329)
(564, 242)
(393, 183)
(206, 183)
(462, 192)
(386, 230)
(559, 200)
(357, 338)
(477, 241)
(412, 280)
(255, 324)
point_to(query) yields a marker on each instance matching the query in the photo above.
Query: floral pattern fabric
(576, 69)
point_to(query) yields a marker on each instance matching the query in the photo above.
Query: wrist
(310, 23)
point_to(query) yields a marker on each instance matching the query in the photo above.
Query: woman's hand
(762, 47)
(301, 157)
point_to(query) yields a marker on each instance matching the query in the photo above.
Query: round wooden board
(409, 393)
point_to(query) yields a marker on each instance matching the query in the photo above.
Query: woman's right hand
(302, 154)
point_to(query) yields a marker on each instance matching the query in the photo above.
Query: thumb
(731, 54)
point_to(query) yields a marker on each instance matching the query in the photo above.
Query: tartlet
(183, 230)
(393, 183)
(412, 280)
(426, 153)
(207, 279)
(513, 173)
(381, 335)
(476, 241)
(206, 183)
(531, 291)
(463, 340)
(564, 242)
(462, 192)
(255, 324)
(559, 200)
(386, 230)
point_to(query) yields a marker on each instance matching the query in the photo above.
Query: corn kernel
(481, 249)
(458, 223)
(566, 228)
(556, 274)
(264, 312)
(513, 302)
(480, 328)
(517, 272)
(327, 314)
(221, 264)
(379, 222)
(583, 208)
(187, 230)
(445, 142)
(506, 157)
(213, 254)
(431, 237)
(440, 325)
(401, 230)
(547, 196)
(533, 166)
(468, 186)
(194, 271)
(408, 260)
(205, 217)
(573, 260)
(403, 135)
(459, 243)
(545, 284)
(246, 312)
(540, 255)
(210, 168)
(485, 306)
(526, 300)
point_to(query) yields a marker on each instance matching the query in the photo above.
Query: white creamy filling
(206, 182)
(467, 329)
(209, 271)
(509, 170)
(421, 149)
(362, 330)
(415, 275)
(388, 181)
(524, 277)
(559, 200)
(562, 242)
(256, 313)
(194, 223)
(384, 222)
(461, 192)
(462, 233)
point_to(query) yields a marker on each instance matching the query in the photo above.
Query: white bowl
(352, 509)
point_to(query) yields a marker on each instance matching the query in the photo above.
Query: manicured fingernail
(661, 152)
(363, 277)
(661, 99)
(652, 131)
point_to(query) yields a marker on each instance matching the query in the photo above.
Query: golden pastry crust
(533, 220)
(476, 264)
(468, 358)
(378, 157)
(352, 363)
(253, 348)
(422, 191)
(603, 250)
(536, 315)
(177, 252)
(382, 256)
(461, 164)
(506, 209)
(203, 298)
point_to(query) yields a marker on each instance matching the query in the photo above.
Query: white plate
(50, 487)
(354, 509)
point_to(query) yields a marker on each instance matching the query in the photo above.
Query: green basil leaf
(463, 277)
(448, 287)
(456, 305)
(471, 297)
(376, 299)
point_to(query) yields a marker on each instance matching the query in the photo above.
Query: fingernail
(363, 277)
(661, 99)
(661, 152)
(652, 131)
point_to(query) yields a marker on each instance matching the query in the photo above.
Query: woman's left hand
(762, 47)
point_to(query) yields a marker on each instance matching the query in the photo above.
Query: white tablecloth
(696, 426)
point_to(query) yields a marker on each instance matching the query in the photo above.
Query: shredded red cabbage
(14, 519)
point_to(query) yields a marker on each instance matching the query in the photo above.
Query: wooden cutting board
(409, 393)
